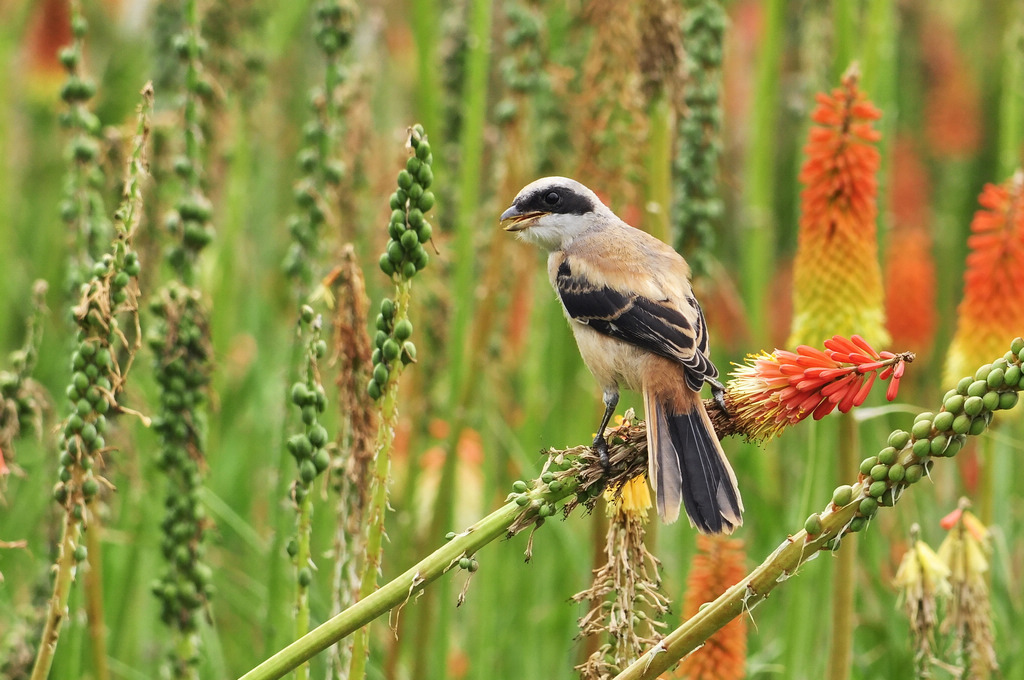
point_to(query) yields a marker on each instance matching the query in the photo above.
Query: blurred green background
(507, 92)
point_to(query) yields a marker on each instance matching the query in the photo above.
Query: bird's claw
(718, 393)
(600, 447)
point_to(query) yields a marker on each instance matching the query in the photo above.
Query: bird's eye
(552, 198)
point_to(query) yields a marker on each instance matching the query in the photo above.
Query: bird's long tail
(688, 467)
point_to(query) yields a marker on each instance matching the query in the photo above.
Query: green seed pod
(944, 420)
(973, 406)
(913, 474)
(1007, 400)
(60, 492)
(546, 510)
(403, 329)
(425, 176)
(387, 308)
(842, 495)
(426, 201)
(897, 472)
(321, 460)
(386, 265)
(978, 388)
(888, 499)
(995, 378)
(395, 230)
(395, 203)
(555, 486)
(408, 270)
(423, 150)
(390, 350)
(880, 472)
(867, 464)
(858, 524)
(90, 487)
(954, 445)
(420, 258)
(410, 240)
(380, 323)
(519, 486)
(379, 338)
(425, 232)
(81, 553)
(377, 356)
(380, 374)
(921, 429)
(464, 563)
(450, 535)
(299, 446)
(868, 507)
(887, 456)
(961, 424)
(309, 414)
(927, 415)
(877, 488)
(300, 394)
(1017, 345)
(812, 525)
(305, 577)
(991, 400)
(318, 435)
(939, 443)
(307, 471)
(982, 372)
(1012, 376)
(473, 566)
(415, 191)
(395, 252)
(404, 179)
(413, 165)
(547, 477)
(306, 314)
(899, 439)
(978, 426)
(408, 352)
(373, 389)
(415, 218)
(964, 384)
(522, 500)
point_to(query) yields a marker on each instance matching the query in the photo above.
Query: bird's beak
(513, 220)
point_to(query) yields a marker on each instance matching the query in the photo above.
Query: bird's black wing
(655, 325)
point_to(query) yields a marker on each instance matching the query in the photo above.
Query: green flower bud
(868, 507)
(812, 525)
(995, 378)
(387, 308)
(90, 487)
(423, 150)
(425, 176)
(961, 424)
(386, 265)
(978, 426)
(991, 400)
(60, 492)
(408, 352)
(546, 510)
(880, 472)
(867, 464)
(1017, 345)
(953, 446)
(426, 201)
(299, 446)
(408, 270)
(398, 217)
(404, 179)
(307, 471)
(964, 384)
(420, 258)
(403, 329)
(913, 474)
(877, 488)
(395, 252)
(450, 535)
(927, 415)
(555, 485)
(81, 553)
(425, 232)
(939, 443)
(410, 241)
(982, 372)
(978, 388)
(309, 414)
(519, 486)
(1012, 376)
(973, 406)
(415, 218)
(857, 524)
(306, 314)
(1007, 400)
(887, 456)
(415, 191)
(921, 429)
(944, 420)
(464, 563)
(321, 460)
(380, 323)
(373, 389)
(305, 577)
(522, 500)
(413, 165)
(897, 472)
(395, 203)
(842, 495)
(391, 350)
(318, 435)
(379, 339)
(300, 394)
(380, 374)
(899, 439)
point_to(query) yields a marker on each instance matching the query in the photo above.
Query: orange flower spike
(992, 310)
(774, 390)
(837, 283)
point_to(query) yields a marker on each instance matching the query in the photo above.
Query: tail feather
(688, 468)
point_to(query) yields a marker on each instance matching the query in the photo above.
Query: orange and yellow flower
(837, 281)
(773, 391)
(991, 313)
(718, 565)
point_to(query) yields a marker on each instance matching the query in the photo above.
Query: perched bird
(628, 299)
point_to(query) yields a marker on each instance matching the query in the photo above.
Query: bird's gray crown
(558, 195)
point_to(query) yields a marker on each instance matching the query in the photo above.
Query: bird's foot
(600, 447)
(718, 393)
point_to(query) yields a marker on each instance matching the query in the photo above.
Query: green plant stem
(304, 530)
(840, 653)
(740, 598)
(58, 609)
(377, 509)
(400, 590)
(759, 239)
(1011, 101)
(986, 452)
(94, 596)
(658, 203)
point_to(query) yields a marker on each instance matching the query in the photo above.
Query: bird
(628, 299)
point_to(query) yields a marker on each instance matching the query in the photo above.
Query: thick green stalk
(302, 558)
(840, 652)
(759, 240)
(879, 73)
(58, 609)
(844, 37)
(400, 590)
(94, 596)
(658, 198)
(1011, 103)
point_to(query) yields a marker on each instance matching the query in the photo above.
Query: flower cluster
(772, 391)
(309, 396)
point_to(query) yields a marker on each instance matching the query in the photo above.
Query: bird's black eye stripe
(556, 199)
(552, 198)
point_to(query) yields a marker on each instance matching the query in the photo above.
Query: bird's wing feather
(658, 326)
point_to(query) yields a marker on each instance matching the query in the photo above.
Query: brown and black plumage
(629, 303)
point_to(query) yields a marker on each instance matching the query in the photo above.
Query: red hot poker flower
(774, 390)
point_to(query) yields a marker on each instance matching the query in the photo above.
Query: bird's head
(552, 211)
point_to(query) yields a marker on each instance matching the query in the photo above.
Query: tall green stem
(840, 653)
(58, 609)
